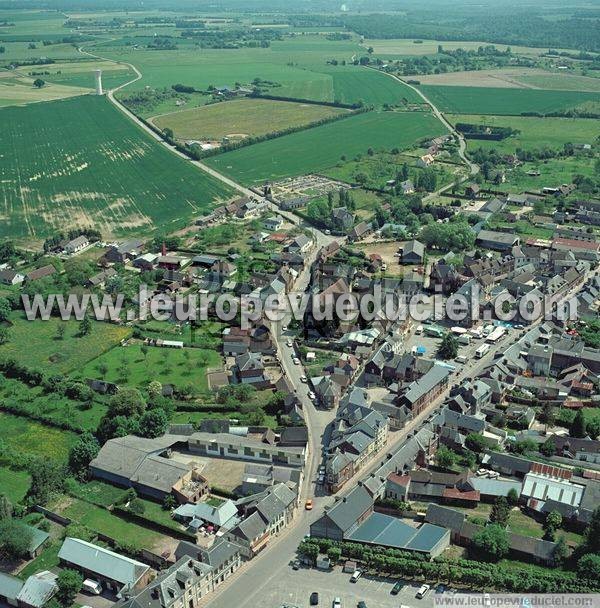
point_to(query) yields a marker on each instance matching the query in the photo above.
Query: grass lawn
(128, 366)
(503, 101)
(206, 335)
(100, 520)
(30, 437)
(46, 560)
(243, 117)
(323, 358)
(95, 492)
(317, 149)
(14, 484)
(51, 354)
(534, 132)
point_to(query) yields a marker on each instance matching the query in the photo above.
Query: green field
(29, 437)
(128, 366)
(322, 147)
(49, 353)
(80, 162)
(503, 101)
(243, 117)
(534, 132)
(14, 484)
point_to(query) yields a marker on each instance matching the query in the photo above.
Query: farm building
(413, 252)
(113, 571)
(497, 241)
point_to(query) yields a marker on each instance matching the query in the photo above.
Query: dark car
(314, 598)
(361, 604)
(397, 588)
(296, 564)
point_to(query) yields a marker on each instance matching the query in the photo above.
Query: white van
(461, 359)
(357, 574)
(422, 592)
(92, 586)
(419, 330)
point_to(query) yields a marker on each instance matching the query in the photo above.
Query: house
(472, 191)
(113, 571)
(444, 276)
(413, 252)
(294, 436)
(185, 583)
(169, 262)
(236, 341)
(497, 241)
(40, 273)
(327, 391)
(11, 277)
(301, 244)
(249, 369)
(585, 450)
(426, 389)
(223, 515)
(275, 222)
(583, 250)
(360, 231)
(342, 219)
(507, 464)
(223, 557)
(127, 251)
(77, 244)
(204, 261)
(99, 279)
(425, 160)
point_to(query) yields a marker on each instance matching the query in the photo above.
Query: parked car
(296, 361)
(303, 379)
(311, 396)
(308, 505)
(92, 586)
(296, 564)
(337, 603)
(314, 599)
(289, 344)
(361, 604)
(397, 588)
(440, 588)
(422, 592)
(355, 576)
(321, 479)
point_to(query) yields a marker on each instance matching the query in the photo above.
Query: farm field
(51, 354)
(241, 118)
(129, 366)
(80, 162)
(518, 78)
(16, 90)
(534, 132)
(503, 101)
(322, 147)
(29, 437)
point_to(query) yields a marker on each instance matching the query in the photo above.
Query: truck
(495, 334)
(482, 350)
(434, 331)
(464, 339)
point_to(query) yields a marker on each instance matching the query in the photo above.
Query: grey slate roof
(349, 509)
(102, 561)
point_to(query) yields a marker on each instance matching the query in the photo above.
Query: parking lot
(294, 589)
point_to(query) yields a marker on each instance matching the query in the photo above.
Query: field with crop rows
(322, 147)
(503, 101)
(80, 162)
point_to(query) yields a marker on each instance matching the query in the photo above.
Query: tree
(476, 442)
(334, 554)
(127, 402)
(153, 423)
(102, 369)
(492, 541)
(82, 453)
(548, 415)
(5, 309)
(6, 508)
(500, 512)
(592, 533)
(578, 428)
(61, 328)
(169, 502)
(4, 335)
(47, 478)
(448, 348)
(592, 428)
(137, 506)
(445, 457)
(561, 552)
(15, 538)
(552, 523)
(155, 389)
(548, 448)
(309, 550)
(38, 83)
(69, 583)
(589, 566)
(512, 497)
(85, 326)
